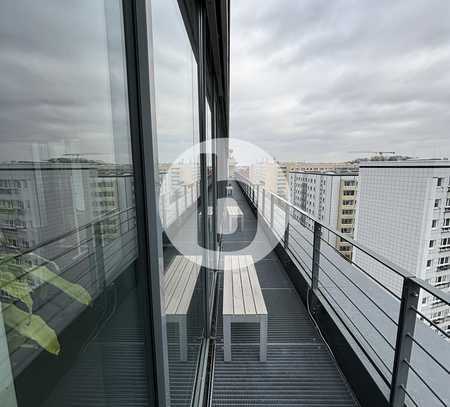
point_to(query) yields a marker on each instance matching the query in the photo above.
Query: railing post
(177, 208)
(99, 257)
(264, 203)
(257, 197)
(286, 225)
(316, 256)
(405, 333)
(163, 210)
(271, 210)
(185, 198)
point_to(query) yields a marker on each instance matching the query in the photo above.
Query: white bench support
(235, 217)
(180, 281)
(243, 301)
(181, 321)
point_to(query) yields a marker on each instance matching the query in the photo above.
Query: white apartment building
(75, 194)
(272, 175)
(330, 198)
(404, 215)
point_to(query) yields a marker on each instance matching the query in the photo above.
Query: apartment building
(272, 175)
(404, 214)
(321, 167)
(75, 194)
(330, 198)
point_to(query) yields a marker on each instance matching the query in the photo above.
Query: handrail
(101, 218)
(443, 296)
(408, 313)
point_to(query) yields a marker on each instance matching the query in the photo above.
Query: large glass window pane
(71, 330)
(176, 94)
(210, 244)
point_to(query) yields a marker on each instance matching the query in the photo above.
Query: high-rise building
(404, 214)
(330, 198)
(272, 175)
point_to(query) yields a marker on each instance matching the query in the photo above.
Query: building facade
(404, 215)
(272, 175)
(330, 198)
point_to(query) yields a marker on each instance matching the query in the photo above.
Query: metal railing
(92, 255)
(175, 202)
(383, 317)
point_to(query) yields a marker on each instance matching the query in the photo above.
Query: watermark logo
(237, 164)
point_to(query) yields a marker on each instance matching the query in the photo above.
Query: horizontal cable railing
(378, 306)
(174, 203)
(90, 256)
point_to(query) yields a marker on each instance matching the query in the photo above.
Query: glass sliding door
(211, 238)
(177, 133)
(71, 328)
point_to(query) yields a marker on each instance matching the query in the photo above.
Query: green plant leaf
(16, 288)
(33, 327)
(75, 291)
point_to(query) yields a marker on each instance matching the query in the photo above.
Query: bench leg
(182, 331)
(226, 339)
(263, 338)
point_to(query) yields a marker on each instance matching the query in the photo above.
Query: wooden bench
(180, 281)
(242, 301)
(235, 217)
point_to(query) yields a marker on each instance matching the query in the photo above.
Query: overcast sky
(319, 79)
(62, 80)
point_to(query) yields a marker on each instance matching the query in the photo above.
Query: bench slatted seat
(242, 301)
(180, 281)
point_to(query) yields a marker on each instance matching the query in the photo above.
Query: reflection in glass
(176, 97)
(67, 217)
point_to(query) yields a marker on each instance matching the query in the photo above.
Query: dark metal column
(139, 53)
(405, 333)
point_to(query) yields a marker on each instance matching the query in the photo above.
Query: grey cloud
(61, 79)
(323, 78)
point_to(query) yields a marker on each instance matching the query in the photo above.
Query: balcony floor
(299, 370)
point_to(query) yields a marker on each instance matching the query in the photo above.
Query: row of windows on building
(12, 183)
(104, 193)
(349, 192)
(17, 243)
(440, 261)
(440, 181)
(103, 184)
(445, 243)
(445, 223)
(104, 203)
(12, 204)
(437, 203)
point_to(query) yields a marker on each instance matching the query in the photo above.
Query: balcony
(299, 370)
(378, 335)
